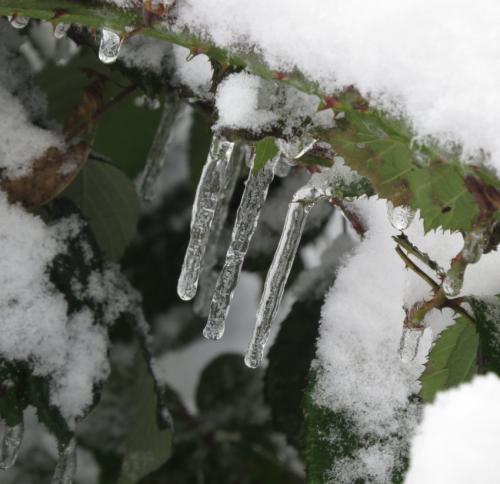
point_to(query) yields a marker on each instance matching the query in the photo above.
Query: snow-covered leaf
(452, 359)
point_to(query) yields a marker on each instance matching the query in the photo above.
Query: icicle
(66, 465)
(173, 110)
(401, 216)
(303, 200)
(283, 166)
(18, 22)
(205, 204)
(412, 340)
(109, 48)
(247, 217)
(208, 276)
(60, 30)
(11, 444)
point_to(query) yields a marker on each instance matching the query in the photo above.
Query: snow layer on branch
(194, 73)
(457, 441)
(21, 142)
(438, 62)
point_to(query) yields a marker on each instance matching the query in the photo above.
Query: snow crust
(436, 62)
(457, 441)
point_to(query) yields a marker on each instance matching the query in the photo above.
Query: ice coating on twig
(208, 276)
(205, 203)
(173, 109)
(66, 465)
(109, 47)
(11, 443)
(274, 286)
(247, 217)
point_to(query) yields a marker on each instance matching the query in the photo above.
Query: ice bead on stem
(60, 30)
(18, 22)
(11, 443)
(109, 47)
(274, 286)
(247, 217)
(173, 110)
(66, 464)
(401, 216)
(208, 276)
(204, 206)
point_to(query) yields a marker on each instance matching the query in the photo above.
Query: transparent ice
(11, 443)
(109, 47)
(60, 30)
(274, 286)
(66, 465)
(247, 217)
(18, 22)
(401, 216)
(205, 204)
(208, 276)
(173, 110)
(412, 339)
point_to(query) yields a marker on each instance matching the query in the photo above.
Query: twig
(403, 241)
(411, 265)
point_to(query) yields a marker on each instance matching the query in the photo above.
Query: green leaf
(452, 360)
(147, 447)
(403, 172)
(107, 198)
(265, 149)
(487, 315)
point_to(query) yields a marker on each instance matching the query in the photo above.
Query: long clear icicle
(12, 439)
(109, 47)
(205, 204)
(274, 286)
(66, 465)
(208, 276)
(247, 217)
(173, 110)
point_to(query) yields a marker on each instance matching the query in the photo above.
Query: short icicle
(66, 465)
(109, 47)
(208, 276)
(205, 203)
(173, 110)
(18, 22)
(12, 439)
(60, 30)
(247, 217)
(274, 286)
(411, 342)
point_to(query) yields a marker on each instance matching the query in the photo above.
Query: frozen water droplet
(295, 148)
(452, 284)
(173, 111)
(11, 444)
(473, 246)
(279, 271)
(208, 276)
(409, 346)
(401, 216)
(18, 22)
(66, 465)
(247, 217)
(205, 204)
(60, 30)
(109, 48)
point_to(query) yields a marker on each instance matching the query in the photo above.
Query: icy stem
(208, 276)
(173, 110)
(60, 30)
(205, 203)
(412, 340)
(247, 217)
(401, 216)
(66, 465)
(18, 22)
(11, 444)
(278, 273)
(109, 48)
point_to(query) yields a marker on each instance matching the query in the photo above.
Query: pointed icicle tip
(11, 444)
(109, 47)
